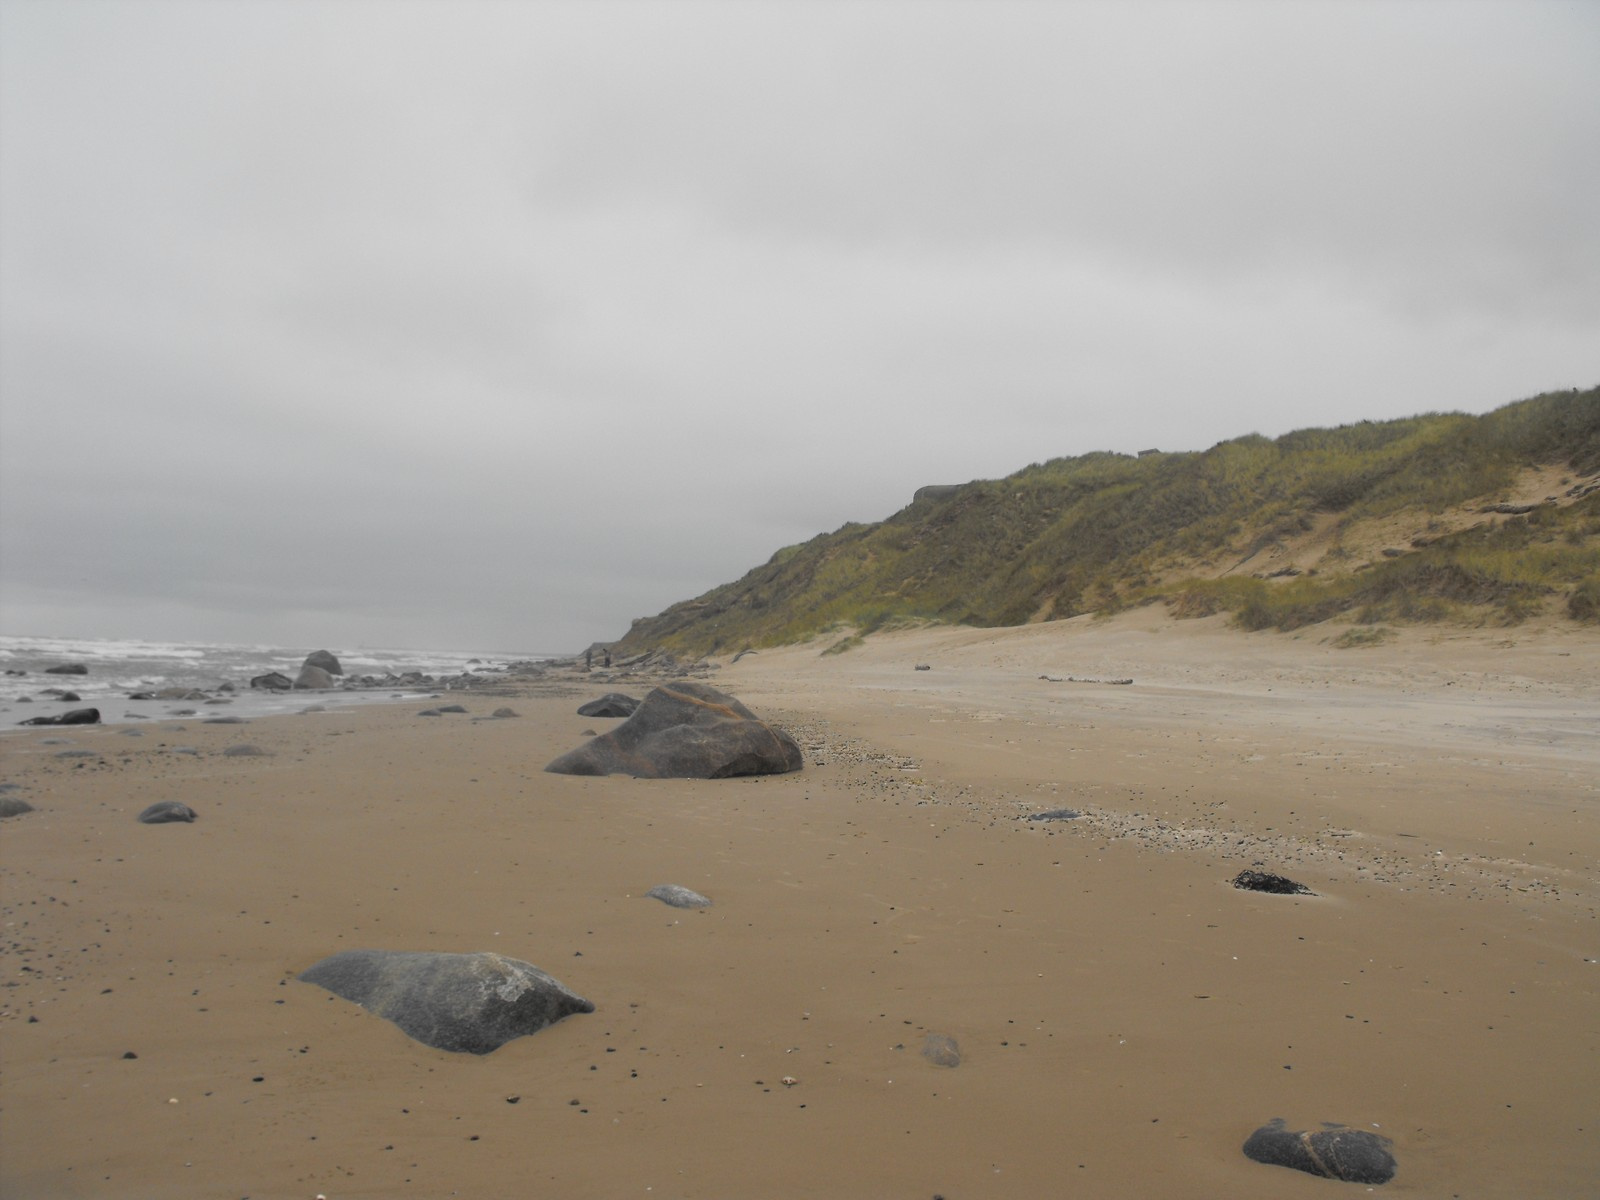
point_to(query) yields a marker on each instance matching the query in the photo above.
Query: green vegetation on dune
(1100, 531)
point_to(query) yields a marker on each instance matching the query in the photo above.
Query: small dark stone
(451, 708)
(244, 750)
(1277, 885)
(503, 713)
(67, 669)
(1334, 1152)
(165, 812)
(1055, 814)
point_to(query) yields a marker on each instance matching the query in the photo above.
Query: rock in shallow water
(686, 730)
(1334, 1152)
(77, 716)
(470, 1003)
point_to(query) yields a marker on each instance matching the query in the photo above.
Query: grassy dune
(1442, 516)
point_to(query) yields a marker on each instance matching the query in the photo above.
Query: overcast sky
(478, 325)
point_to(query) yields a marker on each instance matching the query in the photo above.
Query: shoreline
(1125, 1017)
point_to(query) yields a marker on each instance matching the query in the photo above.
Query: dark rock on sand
(1334, 1152)
(501, 714)
(272, 681)
(324, 660)
(244, 750)
(612, 704)
(471, 1003)
(678, 897)
(67, 669)
(165, 812)
(13, 806)
(77, 716)
(1277, 885)
(686, 730)
(1055, 814)
(314, 678)
(941, 1050)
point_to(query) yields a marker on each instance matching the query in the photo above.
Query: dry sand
(1125, 1017)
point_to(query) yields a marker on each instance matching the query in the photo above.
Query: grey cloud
(501, 316)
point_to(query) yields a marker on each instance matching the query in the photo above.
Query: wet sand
(1125, 1017)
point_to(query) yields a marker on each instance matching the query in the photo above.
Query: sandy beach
(1125, 1016)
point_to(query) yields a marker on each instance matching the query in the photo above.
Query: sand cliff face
(1125, 1018)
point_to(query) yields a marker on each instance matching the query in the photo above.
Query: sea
(117, 668)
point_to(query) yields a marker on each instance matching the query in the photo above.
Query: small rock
(678, 897)
(941, 1050)
(1334, 1152)
(166, 812)
(1277, 885)
(244, 750)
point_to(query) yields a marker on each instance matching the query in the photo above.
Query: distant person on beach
(588, 659)
(608, 658)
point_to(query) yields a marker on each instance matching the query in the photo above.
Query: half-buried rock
(686, 730)
(1334, 1152)
(471, 1003)
(612, 704)
(166, 812)
(678, 896)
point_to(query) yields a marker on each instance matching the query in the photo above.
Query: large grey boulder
(685, 730)
(1334, 1152)
(313, 678)
(325, 660)
(272, 681)
(471, 1003)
